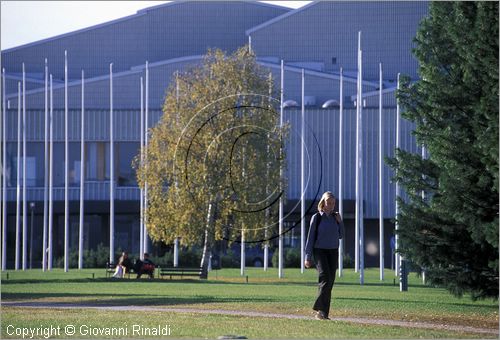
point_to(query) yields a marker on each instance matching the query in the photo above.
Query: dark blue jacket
(329, 234)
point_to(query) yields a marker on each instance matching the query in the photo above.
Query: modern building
(321, 38)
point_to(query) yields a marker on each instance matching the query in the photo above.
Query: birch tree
(212, 164)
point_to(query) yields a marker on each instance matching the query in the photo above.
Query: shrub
(348, 261)
(91, 258)
(189, 257)
(291, 258)
(230, 260)
(167, 260)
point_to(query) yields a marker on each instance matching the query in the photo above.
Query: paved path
(368, 321)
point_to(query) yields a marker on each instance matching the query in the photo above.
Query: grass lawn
(226, 289)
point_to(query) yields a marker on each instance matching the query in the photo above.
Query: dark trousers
(326, 264)
(147, 272)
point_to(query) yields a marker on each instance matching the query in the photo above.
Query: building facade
(320, 38)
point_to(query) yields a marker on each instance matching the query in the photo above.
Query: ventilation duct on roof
(290, 103)
(330, 103)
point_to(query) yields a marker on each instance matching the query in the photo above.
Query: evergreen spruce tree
(452, 233)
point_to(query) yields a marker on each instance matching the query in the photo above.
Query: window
(127, 151)
(59, 162)
(97, 161)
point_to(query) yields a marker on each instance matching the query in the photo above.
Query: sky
(23, 22)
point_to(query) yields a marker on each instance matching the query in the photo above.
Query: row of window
(97, 163)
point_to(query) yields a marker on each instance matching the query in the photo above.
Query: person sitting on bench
(125, 262)
(123, 266)
(145, 267)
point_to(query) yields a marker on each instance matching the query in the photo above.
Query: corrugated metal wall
(323, 125)
(94, 191)
(329, 29)
(126, 89)
(126, 125)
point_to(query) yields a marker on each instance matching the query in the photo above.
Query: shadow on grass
(211, 281)
(148, 300)
(375, 300)
(99, 279)
(128, 299)
(73, 280)
(315, 283)
(111, 299)
(383, 284)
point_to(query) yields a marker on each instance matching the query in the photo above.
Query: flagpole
(176, 252)
(280, 237)
(359, 167)
(302, 179)
(242, 253)
(4, 178)
(141, 190)
(357, 175)
(398, 192)
(111, 171)
(341, 184)
(82, 176)
(25, 218)
(242, 240)
(361, 182)
(18, 181)
(177, 91)
(51, 178)
(66, 167)
(424, 156)
(146, 137)
(46, 172)
(380, 178)
(176, 241)
(266, 243)
(423, 200)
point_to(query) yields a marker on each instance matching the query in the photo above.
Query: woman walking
(325, 231)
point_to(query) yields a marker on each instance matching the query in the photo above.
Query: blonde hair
(323, 199)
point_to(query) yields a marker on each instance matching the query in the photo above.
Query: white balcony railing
(94, 191)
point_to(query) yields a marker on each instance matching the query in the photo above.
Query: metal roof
(64, 35)
(170, 3)
(139, 13)
(279, 18)
(375, 93)
(139, 68)
(316, 73)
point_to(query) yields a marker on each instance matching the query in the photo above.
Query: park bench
(176, 271)
(111, 268)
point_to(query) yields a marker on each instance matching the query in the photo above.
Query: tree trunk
(209, 241)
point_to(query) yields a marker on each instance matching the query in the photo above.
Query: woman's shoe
(320, 315)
